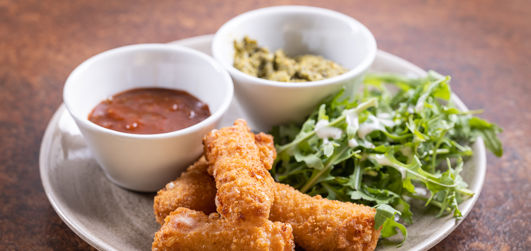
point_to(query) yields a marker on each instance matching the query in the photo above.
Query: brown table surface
(484, 45)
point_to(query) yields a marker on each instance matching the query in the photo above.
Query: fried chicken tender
(186, 229)
(318, 223)
(322, 224)
(244, 186)
(183, 192)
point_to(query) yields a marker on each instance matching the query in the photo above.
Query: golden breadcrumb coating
(322, 224)
(266, 146)
(186, 229)
(244, 186)
(318, 224)
(183, 192)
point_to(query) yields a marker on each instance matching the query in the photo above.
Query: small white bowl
(145, 162)
(297, 30)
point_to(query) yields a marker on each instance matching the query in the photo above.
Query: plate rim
(99, 244)
(43, 153)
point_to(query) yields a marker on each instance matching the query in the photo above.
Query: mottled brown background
(484, 45)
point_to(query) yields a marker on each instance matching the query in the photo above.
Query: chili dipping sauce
(149, 111)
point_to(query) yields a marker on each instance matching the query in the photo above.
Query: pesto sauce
(259, 62)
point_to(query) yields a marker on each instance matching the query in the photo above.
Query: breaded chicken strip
(183, 192)
(186, 229)
(318, 223)
(244, 186)
(322, 224)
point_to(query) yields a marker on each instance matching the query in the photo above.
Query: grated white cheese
(421, 191)
(384, 161)
(374, 124)
(352, 120)
(353, 143)
(324, 131)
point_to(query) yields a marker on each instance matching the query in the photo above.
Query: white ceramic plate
(111, 218)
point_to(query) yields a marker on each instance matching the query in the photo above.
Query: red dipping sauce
(149, 111)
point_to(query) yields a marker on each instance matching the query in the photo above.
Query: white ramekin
(297, 30)
(145, 162)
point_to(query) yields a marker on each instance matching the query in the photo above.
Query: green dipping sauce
(259, 62)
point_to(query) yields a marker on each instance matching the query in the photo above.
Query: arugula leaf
(401, 139)
(488, 132)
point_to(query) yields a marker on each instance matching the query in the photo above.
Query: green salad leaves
(398, 140)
